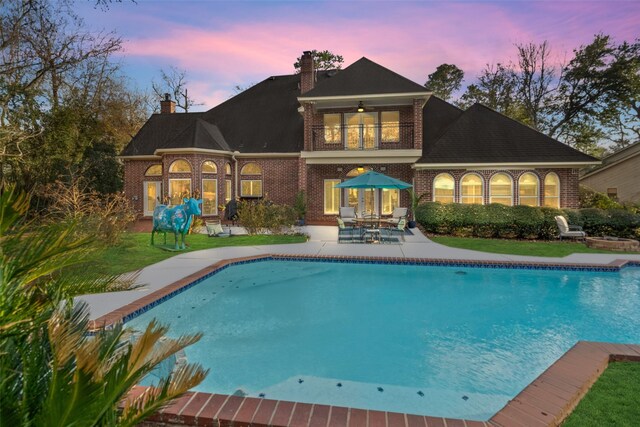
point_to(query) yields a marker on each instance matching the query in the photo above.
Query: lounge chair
(348, 214)
(387, 234)
(566, 230)
(214, 229)
(397, 215)
(347, 234)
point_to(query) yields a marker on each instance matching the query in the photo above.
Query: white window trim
(433, 186)
(463, 197)
(146, 212)
(382, 211)
(180, 160)
(147, 170)
(559, 187)
(252, 195)
(537, 188)
(381, 122)
(243, 173)
(228, 188)
(324, 198)
(215, 202)
(209, 173)
(179, 179)
(501, 197)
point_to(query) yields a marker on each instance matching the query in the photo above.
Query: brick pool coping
(547, 401)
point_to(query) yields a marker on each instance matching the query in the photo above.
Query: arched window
(180, 166)
(227, 169)
(154, 170)
(358, 171)
(443, 188)
(471, 189)
(251, 187)
(528, 185)
(251, 169)
(209, 167)
(552, 190)
(501, 189)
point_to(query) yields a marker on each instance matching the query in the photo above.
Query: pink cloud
(412, 39)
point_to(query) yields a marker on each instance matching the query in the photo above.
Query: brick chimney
(167, 106)
(307, 73)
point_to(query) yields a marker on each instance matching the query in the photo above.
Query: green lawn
(136, 252)
(614, 399)
(519, 247)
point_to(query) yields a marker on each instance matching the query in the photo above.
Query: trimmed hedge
(522, 222)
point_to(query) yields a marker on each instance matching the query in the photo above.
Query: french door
(361, 131)
(364, 200)
(152, 194)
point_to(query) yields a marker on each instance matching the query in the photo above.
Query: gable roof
(363, 77)
(482, 135)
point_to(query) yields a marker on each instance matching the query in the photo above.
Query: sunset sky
(226, 43)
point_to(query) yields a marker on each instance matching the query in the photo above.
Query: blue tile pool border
(135, 309)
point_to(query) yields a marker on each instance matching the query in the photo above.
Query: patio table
(371, 227)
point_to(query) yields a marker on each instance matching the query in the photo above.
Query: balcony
(360, 137)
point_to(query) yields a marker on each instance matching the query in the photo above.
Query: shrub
(522, 222)
(262, 216)
(594, 199)
(103, 215)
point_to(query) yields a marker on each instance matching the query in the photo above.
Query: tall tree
(445, 80)
(175, 82)
(497, 89)
(322, 60)
(535, 82)
(60, 93)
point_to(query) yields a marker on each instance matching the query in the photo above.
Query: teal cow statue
(176, 219)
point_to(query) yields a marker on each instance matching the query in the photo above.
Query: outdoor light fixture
(360, 107)
(360, 169)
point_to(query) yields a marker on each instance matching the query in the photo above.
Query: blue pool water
(443, 341)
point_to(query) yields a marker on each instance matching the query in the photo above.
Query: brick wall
(279, 177)
(318, 173)
(569, 197)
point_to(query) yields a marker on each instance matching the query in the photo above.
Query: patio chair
(346, 233)
(348, 214)
(566, 230)
(387, 235)
(397, 215)
(214, 229)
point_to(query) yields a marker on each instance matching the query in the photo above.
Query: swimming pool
(444, 341)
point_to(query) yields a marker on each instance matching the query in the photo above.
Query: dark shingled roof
(437, 116)
(481, 135)
(198, 134)
(363, 77)
(263, 118)
(157, 131)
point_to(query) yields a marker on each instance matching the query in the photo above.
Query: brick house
(312, 130)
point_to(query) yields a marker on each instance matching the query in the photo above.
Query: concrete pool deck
(322, 243)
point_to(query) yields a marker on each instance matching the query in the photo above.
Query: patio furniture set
(371, 228)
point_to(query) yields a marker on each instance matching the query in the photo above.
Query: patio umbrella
(374, 180)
